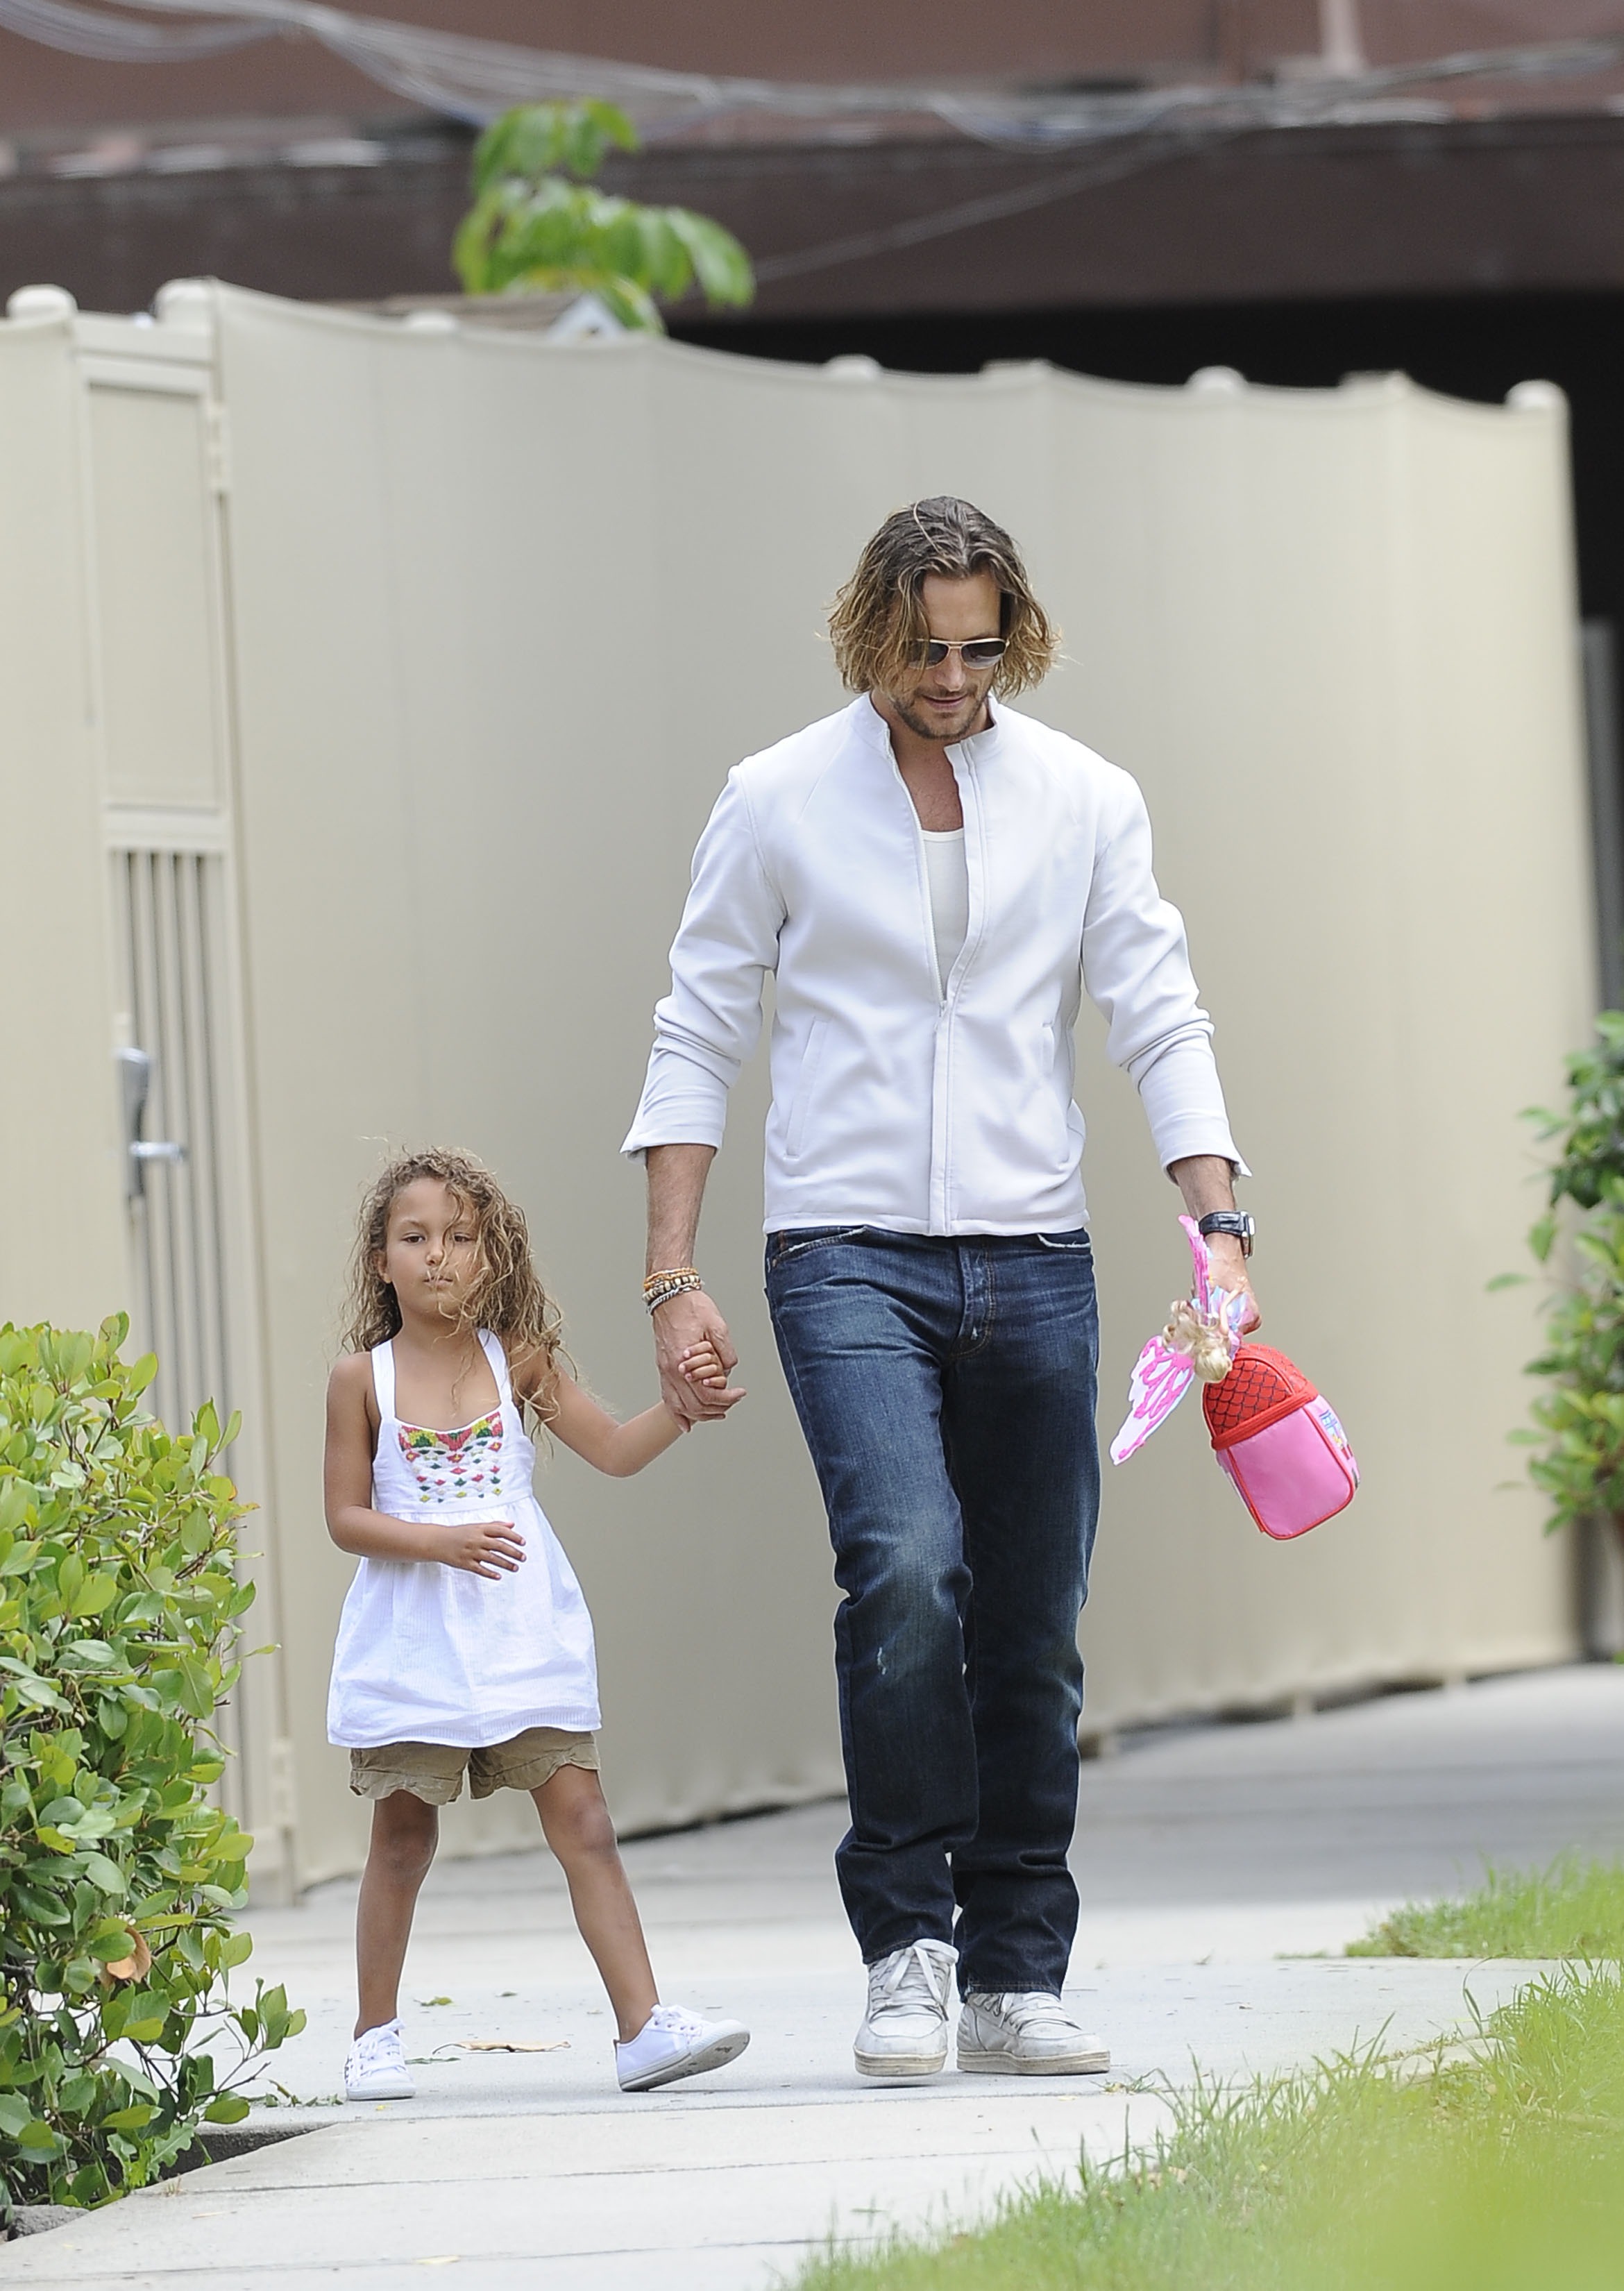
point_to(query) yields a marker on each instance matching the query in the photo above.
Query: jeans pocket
(1066, 1244)
(784, 1248)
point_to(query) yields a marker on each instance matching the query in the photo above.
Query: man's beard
(926, 729)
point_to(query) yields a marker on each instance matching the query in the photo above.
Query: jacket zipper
(940, 1190)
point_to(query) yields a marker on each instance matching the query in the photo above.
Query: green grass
(1574, 1908)
(1503, 2171)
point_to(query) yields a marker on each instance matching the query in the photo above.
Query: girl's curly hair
(506, 1295)
(878, 624)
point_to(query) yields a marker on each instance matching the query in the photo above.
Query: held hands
(491, 1547)
(702, 1365)
(695, 1355)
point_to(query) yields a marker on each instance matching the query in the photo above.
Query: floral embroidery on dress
(455, 1467)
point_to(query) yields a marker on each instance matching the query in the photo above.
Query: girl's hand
(701, 1366)
(491, 1547)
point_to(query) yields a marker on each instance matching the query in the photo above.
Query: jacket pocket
(806, 1084)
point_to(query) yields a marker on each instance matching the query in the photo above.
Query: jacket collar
(871, 728)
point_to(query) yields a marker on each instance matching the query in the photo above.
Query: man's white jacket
(895, 1103)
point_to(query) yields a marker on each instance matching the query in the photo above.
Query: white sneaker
(904, 2030)
(1025, 2032)
(672, 2043)
(376, 2068)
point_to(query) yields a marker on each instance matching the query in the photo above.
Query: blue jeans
(946, 1391)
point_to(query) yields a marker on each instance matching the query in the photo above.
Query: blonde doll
(465, 1646)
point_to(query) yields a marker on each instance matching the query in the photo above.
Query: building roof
(900, 155)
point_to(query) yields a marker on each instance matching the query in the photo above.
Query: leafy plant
(118, 1611)
(532, 230)
(1581, 1415)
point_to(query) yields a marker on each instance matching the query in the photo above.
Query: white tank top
(947, 871)
(431, 1653)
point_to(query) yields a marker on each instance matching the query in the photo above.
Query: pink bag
(1280, 1443)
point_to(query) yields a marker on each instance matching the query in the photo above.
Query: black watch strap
(1236, 1223)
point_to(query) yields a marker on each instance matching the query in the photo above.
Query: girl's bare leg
(404, 1832)
(576, 1824)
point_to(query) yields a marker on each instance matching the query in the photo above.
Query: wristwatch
(1236, 1223)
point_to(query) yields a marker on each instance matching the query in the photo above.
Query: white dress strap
(498, 1359)
(383, 1375)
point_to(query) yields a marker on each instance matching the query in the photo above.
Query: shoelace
(1020, 2008)
(376, 2043)
(673, 2020)
(908, 1967)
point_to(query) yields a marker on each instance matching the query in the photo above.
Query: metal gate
(169, 907)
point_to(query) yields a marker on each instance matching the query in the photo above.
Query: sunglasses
(979, 651)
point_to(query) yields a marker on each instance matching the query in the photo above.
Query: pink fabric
(1295, 1473)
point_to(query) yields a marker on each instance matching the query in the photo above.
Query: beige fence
(382, 676)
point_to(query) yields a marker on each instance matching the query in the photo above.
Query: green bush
(119, 1610)
(1581, 1413)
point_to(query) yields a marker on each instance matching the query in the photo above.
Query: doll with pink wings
(1199, 1339)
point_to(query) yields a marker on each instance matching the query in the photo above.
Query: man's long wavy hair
(878, 624)
(506, 1295)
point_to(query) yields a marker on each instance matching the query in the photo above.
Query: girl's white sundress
(431, 1653)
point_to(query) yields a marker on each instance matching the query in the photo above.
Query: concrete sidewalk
(1212, 1863)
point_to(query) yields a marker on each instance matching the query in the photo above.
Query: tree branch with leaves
(538, 226)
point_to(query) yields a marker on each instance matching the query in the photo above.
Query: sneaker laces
(382, 2042)
(927, 1962)
(673, 2019)
(1021, 2009)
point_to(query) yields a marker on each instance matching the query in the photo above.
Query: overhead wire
(106, 39)
(474, 80)
(993, 207)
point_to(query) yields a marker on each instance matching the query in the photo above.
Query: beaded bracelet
(668, 1274)
(659, 1287)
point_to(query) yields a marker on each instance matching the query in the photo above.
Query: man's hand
(491, 1547)
(1207, 1183)
(681, 1326)
(1229, 1274)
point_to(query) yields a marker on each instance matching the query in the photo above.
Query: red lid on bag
(1262, 1387)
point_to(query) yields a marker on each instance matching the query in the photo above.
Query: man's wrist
(674, 1280)
(1228, 1224)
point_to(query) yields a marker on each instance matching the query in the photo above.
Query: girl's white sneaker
(376, 2068)
(672, 2043)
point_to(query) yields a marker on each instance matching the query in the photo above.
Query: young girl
(465, 1645)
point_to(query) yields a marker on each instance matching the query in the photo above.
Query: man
(933, 879)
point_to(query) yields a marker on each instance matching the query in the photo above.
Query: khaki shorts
(434, 1771)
